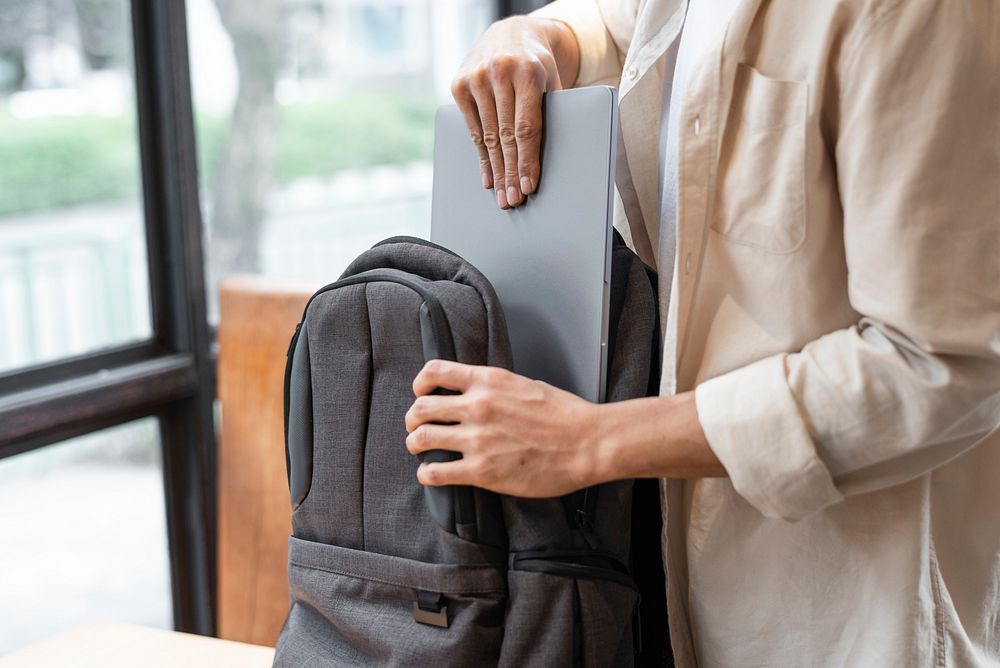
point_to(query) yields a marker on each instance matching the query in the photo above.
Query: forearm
(655, 437)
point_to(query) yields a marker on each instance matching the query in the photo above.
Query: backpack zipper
(588, 564)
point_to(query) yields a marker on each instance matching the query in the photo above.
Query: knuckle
(481, 407)
(477, 137)
(434, 368)
(531, 68)
(526, 130)
(477, 440)
(491, 139)
(432, 475)
(537, 392)
(508, 136)
(501, 67)
(493, 377)
(460, 87)
(478, 78)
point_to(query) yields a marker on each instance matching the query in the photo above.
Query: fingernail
(513, 196)
(501, 198)
(526, 186)
(486, 180)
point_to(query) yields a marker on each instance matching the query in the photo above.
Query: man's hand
(499, 90)
(517, 436)
(526, 438)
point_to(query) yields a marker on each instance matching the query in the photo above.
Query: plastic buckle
(429, 608)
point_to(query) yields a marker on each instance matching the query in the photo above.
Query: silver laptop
(550, 258)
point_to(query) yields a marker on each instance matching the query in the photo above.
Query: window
(72, 248)
(104, 341)
(84, 530)
(321, 146)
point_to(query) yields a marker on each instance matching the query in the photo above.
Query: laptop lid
(549, 258)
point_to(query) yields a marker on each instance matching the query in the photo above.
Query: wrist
(599, 445)
(564, 46)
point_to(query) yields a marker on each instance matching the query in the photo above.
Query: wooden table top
(107, 645)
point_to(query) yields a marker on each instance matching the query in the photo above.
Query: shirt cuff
(753, 425)
(598, 54)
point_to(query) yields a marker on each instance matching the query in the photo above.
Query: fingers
(435, 408)
(436, 437)
(458, 472)
(499, 89)
(501, 103)
(467, 105)
(528, 133)
(442, 373)
(486, 104)
(504, 94)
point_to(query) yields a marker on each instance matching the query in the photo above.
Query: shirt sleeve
(603, 30)
(916, 382)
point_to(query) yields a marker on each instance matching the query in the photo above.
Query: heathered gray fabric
(363, 540)
(354, 609)
(546, 610)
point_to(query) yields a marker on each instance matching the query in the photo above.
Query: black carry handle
(453, 507)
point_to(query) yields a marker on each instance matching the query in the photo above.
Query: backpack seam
(409, 585)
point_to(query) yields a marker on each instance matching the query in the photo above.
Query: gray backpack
(385, 572)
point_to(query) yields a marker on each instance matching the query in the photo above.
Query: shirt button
(687, 263)
(697, 125)
(632, 72)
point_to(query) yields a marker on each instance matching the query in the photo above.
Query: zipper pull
(586, 527)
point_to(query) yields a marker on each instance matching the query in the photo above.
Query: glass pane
(72, 251)
(315, 124)
(83, 535)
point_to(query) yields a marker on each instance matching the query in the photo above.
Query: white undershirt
(703, 31)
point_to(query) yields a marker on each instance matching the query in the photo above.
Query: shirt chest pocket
(761, 193)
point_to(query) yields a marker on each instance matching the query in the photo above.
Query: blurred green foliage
(46, 163)
(53, 162)
(324, 137)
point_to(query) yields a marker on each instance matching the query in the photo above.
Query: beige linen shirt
(836, 307)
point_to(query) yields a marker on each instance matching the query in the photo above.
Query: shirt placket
(697, 138)
(702, 125)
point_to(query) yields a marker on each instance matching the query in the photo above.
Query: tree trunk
(246, 158)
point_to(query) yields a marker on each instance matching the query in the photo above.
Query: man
(818, 184)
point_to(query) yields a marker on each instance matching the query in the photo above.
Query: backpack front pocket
(351, 608)
(561, 620)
